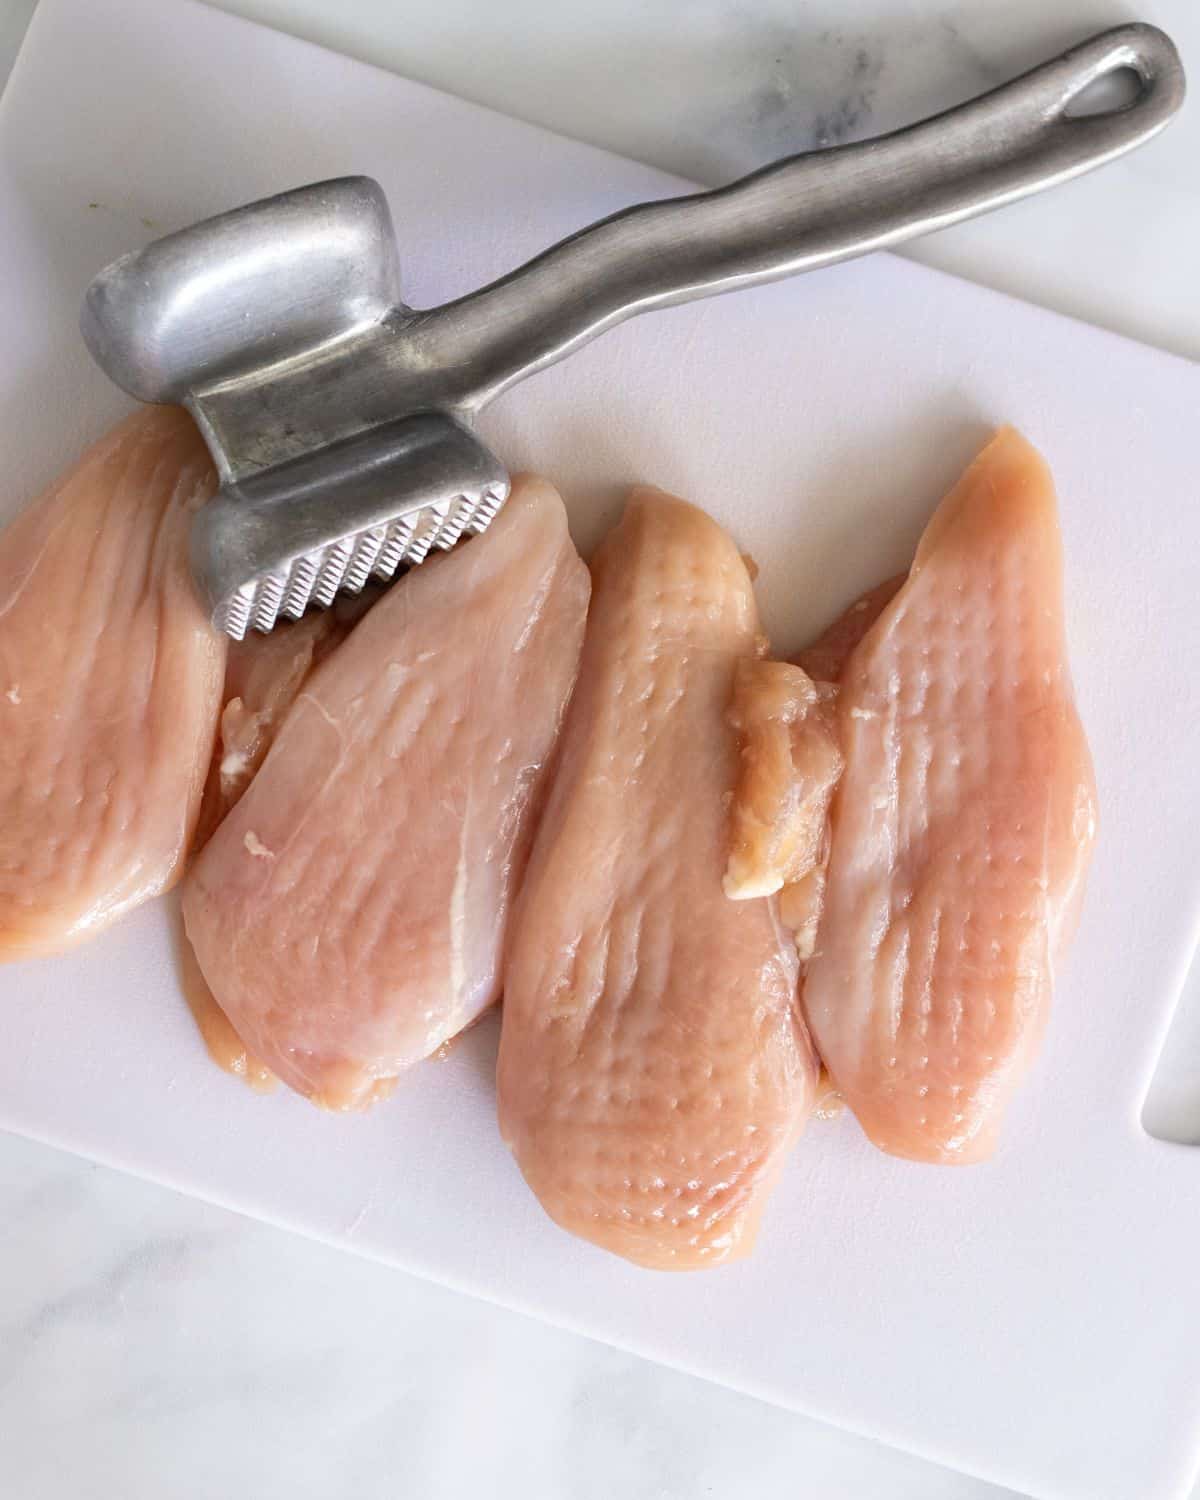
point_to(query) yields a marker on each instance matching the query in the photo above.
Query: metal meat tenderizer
(339, 419)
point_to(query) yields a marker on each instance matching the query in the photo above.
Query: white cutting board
(1035, 1320)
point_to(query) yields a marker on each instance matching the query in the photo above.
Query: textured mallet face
(347, 564)
(282, 539)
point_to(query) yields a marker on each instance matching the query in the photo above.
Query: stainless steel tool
(339, 418)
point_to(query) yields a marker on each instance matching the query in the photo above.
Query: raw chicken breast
(962, 827)
(654, 1068)
(349, 912)
(110, 681)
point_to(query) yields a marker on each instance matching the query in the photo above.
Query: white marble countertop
(151, 1346)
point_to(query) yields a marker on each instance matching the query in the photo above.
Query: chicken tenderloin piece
(263, 675)
(789, 765)
(110, 682)
(962, 827)
(654, 1068)
(790, 761)
(349, 913)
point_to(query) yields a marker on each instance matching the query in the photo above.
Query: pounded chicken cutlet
(962, 827)
(350, 911)
(654, 1068)
(110, 681)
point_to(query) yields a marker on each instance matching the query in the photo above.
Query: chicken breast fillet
(654, 1068)
(962, 827)
(110, 682)
(350, 911)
